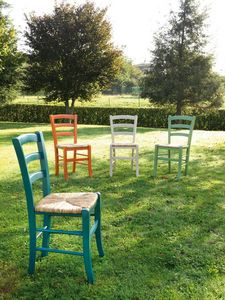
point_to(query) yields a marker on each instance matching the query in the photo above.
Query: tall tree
(180, 71)
(71, 54)
(10, 58)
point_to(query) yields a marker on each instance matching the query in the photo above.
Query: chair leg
(32, 254)
(98, 235)
(169, 161)
(56, 162)
(155, 161)
(46, 235)
(111, 162)
(137, 163)
(87, 245)
(89, 162)
(74, 160)
(65, 164)
(187, 162)
(132, 160)
(179, 163)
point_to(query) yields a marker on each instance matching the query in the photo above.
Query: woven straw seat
(124, 145)
(71, 203)
(61, 146)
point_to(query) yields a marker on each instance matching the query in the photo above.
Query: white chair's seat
(71, 203)
(124, 145)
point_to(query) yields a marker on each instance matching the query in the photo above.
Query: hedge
(147, 117)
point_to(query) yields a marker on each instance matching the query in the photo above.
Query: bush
(147, 117)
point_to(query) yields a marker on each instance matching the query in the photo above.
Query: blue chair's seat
(71, 203)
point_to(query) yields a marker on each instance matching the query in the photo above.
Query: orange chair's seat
(71, 203)
(61, 146)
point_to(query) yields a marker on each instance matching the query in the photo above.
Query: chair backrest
(123, 125)
(41, 168)
(63, 125)
(181, 126)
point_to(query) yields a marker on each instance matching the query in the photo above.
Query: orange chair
(63, 126)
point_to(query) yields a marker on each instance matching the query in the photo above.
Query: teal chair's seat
(70, 203)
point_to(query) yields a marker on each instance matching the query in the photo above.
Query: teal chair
(83, 205)
(179, 127)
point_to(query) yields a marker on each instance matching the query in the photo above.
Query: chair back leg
(46, 235)
(98, 230)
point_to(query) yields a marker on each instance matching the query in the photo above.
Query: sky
(134, 23)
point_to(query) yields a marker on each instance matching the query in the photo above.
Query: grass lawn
(163, 238)
(99, 101)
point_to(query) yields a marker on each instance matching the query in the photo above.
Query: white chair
(123, 126)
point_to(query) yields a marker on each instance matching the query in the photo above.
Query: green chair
(87, 206)
(179, 127)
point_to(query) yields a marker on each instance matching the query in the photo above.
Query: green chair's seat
(71, 203)
(172, 146)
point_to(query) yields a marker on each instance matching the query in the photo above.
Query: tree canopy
(70, 53)
(10, 58)
(180, 71)
(127, 79)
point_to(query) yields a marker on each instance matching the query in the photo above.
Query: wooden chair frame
(85, 213)
(70, 129)
(127, 126)
(176, 127)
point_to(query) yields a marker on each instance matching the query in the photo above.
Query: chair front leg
(98, 234)
(65, 164)
(179, 164)
(132, 160)
(187, 161)
(74, 160)
(87, 245)
(46, 235)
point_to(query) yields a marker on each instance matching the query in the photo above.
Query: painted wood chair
(87, 206)
(179, 127)
(65, 125)
(123, 126)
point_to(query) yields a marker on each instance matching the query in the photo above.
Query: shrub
(147, 117)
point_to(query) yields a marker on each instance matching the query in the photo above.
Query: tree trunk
(179, 107)
(67, 106)
(72, 106)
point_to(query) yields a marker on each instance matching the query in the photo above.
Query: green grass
(99, 101)
(163, 238)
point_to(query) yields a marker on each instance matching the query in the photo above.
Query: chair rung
(94, 227)
(56, 231)
(169, 159)
(59, 251)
